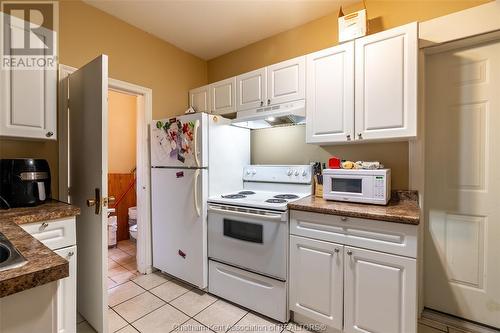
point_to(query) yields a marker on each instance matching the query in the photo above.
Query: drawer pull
(343, 218)
(44, 225)
(70, 254)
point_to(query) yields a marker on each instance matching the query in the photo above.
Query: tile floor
(159, 303)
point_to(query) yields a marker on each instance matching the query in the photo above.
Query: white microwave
(357, 185)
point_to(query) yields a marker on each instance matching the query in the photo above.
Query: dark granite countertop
(402, 208)
(43, 264)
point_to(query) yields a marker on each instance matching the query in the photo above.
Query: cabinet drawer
(249, 290)
(382, 236)
(54, 234)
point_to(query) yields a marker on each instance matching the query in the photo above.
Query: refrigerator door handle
(195, 191)
(195, 141)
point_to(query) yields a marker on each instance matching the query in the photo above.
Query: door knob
(49, 134)
(349, 253)
(108, 201)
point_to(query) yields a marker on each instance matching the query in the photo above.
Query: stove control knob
(297, 172)
(253, 172)
(248, 172)
(289, 172)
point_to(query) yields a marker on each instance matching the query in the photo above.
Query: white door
(66, 294)
(251, 89)
(223, 96)
(316, 280)
(462, 187)
(380, 292)
(27, 97)
(199, 99)
(330, 95)
(286, 81)
(88, 119)
(386, 84)
(179, 216)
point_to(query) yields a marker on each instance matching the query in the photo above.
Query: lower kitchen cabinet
(316, 280)
(60, 236)
(347, 288)
(66, 293)
(380, 292)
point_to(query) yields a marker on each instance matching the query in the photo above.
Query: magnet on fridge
(179, 174)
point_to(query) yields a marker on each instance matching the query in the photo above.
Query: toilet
(133, 232)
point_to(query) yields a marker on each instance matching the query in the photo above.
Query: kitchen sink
(10, 257)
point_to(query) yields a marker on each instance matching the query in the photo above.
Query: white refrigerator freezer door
(179, 233)
(180, 142)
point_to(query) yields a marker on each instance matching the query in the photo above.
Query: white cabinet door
(66, 294)
(330, 95)
(223, 96)
(199, 99)
(380, 292)
(286, 81)
(251, 89)
(386, 84)
(316, 280)
(28, 100)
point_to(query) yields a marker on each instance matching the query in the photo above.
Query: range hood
(292, 113)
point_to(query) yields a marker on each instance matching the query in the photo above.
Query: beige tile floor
(158, 303)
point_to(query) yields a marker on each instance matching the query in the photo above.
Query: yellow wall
(134, 56)
(122, 125)
(287, 145)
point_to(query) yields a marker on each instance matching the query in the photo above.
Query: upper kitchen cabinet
(386, 84)
(286, 81)
(330, 95)
(223, 97)
(28, 99)
(199, 99)
(251, 89)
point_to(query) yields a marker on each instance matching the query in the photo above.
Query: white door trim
(144, 118)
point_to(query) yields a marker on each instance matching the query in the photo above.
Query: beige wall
(287, 145)
(134, 56)
(122, 125)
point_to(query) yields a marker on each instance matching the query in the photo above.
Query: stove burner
(233, 196)
(246, 192)
(286, 196)
(276, 200)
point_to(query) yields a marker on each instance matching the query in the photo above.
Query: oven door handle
(266, 216)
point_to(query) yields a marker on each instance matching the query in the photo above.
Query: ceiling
(208, 28)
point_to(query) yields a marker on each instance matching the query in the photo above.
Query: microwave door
(350, 185)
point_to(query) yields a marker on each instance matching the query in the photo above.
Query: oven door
(249, 238)
(348, 187)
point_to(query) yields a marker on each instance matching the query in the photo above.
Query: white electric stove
(248, 237)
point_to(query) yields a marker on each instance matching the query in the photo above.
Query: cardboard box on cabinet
(352, 25)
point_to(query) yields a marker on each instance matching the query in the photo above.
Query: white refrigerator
(193, 157)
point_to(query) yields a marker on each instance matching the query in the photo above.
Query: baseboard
(444, 322)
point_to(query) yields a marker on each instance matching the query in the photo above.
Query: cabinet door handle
(343, 218)
(49, 134)
(261, 103)
(44, 225)
(348, 136)
(360, 136)
(349, 253)
(268, 102)
(336, 250)
(70, 254)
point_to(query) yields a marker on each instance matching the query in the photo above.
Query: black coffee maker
(24, 182)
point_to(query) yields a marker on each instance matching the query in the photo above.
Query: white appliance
(248, 237)
(192, 156)
(291, 113)
(357, 185)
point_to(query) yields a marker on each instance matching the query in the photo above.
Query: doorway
(122, 213)
(462, 182)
